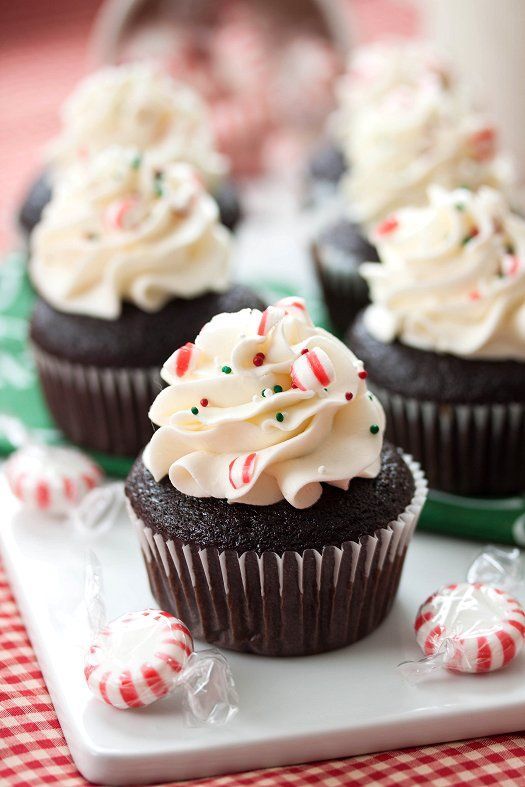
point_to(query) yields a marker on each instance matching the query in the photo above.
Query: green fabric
(500, 520)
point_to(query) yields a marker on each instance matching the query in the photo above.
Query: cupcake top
(414, 137)
(452, 278)
(377, 69)
(138, 105)
(119, 228)
(264, 407)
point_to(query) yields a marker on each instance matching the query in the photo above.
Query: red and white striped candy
(51, 478)
(484, 627)
(123, 214)
(137, 658)
(511, 265)
(296, 307)
(269, 319)
(241, 470)
(483, 144)
(312, 371)
(183, 360)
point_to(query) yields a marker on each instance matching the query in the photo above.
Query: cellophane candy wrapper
(475, 626)
(141, 657)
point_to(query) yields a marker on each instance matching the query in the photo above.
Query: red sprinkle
(349, 395)
(294, 385)
(304, 350)
(474, 295)
(363, 375)
(387, 226)
(204, 402)
(258, 359)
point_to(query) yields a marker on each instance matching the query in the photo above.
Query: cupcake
(444, 339)
(127, 260)
(272, 517)
(141, 106)
(412, 137)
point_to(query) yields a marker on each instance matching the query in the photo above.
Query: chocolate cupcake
(444, 339)
(141, 106)
(412, 131)
(128, 260)
(272, 518)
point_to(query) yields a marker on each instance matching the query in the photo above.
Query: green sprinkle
(325, 389)
(464, 186)
(277, 388)
(157, 186)
(226, 369)
(279, 417)
(460, 206)
(195, 410)
(374, 429)
(370, 397)
(136, 161)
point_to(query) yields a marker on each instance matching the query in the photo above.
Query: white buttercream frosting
(376, 69)
(452, 277)
(248, 441)
(414, 137)
(118, 229)
(137, 105)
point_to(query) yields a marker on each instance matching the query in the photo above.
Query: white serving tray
(348, 702)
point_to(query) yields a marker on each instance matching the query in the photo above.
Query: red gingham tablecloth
(33, 751)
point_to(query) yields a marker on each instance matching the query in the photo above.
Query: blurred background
(46, 46)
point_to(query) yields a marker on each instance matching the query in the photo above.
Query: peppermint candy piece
(241, 470)
(50, 478)
(312, 371)
(295, 307)
(123, 214)
(183, 360)
(482, 627)
(269, 319)
(137, 658)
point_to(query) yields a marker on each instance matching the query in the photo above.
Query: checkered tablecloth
(33, 751)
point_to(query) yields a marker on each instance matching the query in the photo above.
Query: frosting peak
(452, 277)
(264, 406)
(137, 105)
(119, 228)
(416, 136)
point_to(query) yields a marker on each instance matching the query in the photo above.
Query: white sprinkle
(255, 398)
(321, 469)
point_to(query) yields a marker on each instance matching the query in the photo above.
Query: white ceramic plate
(348, 702)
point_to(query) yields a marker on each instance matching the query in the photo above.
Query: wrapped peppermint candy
(50, 478)
(143, 656)
(475, 626)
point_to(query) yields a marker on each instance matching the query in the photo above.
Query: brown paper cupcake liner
(287, 605)
(344, 290)
(99, 408)
(464, 449)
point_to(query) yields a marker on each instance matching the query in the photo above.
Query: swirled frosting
(264, 406)
(376, 69)
(414, 137)
(120, 229)
(137, 105)
(452, 277)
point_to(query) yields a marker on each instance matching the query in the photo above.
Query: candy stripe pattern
(51, 479)
(183, 360)
(137, 658)
(241, 470)
(484, 626)
(312, 371)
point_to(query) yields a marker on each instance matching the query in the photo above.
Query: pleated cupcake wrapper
(344, 289)
(99, 408)
(465, 449)
(282, 605)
